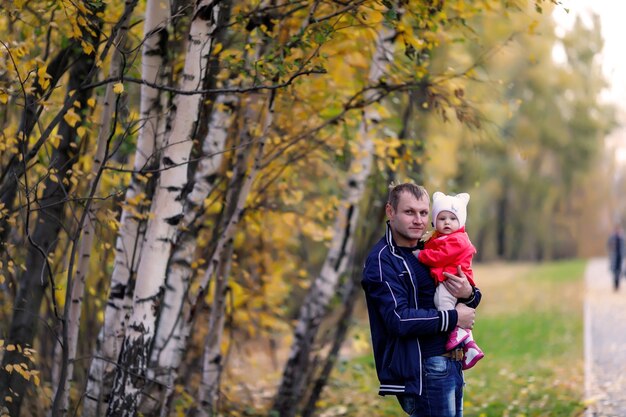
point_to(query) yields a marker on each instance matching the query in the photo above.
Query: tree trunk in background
(237, 194)
(37, 275)
(212, 363)
(298, 367)
(32, 109)
(368, 233)
(132, 225)
(166, 212)
(370, 228)
(501, 209)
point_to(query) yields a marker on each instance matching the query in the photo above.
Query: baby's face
(447, 222)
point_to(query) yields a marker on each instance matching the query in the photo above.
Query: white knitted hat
(456, 204)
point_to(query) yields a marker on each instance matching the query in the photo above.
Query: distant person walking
(615, 246)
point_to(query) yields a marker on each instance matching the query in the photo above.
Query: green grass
(529, 325)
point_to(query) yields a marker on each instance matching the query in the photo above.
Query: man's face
(409, 221)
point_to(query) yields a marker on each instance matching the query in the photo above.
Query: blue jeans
(442, 392)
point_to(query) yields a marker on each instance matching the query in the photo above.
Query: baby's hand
(458, 286)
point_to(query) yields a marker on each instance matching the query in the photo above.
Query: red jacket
(443, 253)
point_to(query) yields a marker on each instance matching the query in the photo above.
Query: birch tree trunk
(298, 367)
(207, 393)
(73, 304)
(167, 212)
(170, 343)
(350, 291)
(238, 192)
(130, 239)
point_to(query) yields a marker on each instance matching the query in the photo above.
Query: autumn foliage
(182, 184)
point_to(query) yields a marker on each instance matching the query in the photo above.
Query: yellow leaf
(118, 88)
(43, 77)
(376, 16)
(55, 140)
(4, 97)
(77, 33)
(91, 102)
(19, 51)
(71, 118)
(87, 47)
(217, 49)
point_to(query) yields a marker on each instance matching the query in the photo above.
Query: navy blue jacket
(398, 325)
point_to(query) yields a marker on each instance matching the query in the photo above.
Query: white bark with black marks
(130, 238)
(298, 367)
(170, 343)
(166, 214)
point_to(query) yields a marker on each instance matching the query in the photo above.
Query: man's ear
(389, 210)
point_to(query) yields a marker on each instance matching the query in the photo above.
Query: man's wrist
(470, 298)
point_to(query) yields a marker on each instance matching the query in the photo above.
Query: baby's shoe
(472, 354)
(457, 337)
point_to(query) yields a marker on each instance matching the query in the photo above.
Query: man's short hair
(395, 190)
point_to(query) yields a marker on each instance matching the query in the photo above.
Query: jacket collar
(392, 243)
(395, 249)
(389, 238)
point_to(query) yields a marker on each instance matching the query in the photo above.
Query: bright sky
(612, 14)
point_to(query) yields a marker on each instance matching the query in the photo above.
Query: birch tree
(297, 370)
(132, 224)
(167, 212)
(86, 228)
(170, 340)
(234, 208)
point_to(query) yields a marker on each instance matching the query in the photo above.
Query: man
(408, 333)
(615, 246)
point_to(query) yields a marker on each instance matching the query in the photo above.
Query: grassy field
(530, 326)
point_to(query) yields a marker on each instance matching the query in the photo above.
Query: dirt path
(605, 342)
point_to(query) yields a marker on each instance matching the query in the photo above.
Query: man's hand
(466, 316)
(458, 286)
